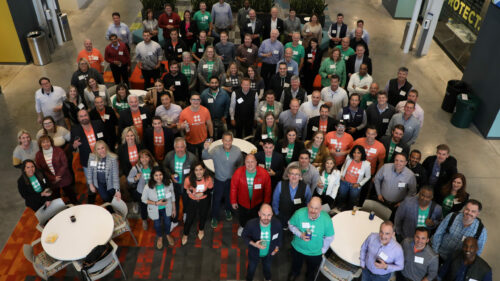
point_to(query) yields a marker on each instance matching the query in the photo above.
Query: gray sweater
(421, 264)
(224, 167)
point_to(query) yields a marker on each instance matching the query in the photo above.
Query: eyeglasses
(195, 99)
(47, 123)
(294, 174)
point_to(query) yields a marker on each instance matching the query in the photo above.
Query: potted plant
(156, 5)
(306, 8)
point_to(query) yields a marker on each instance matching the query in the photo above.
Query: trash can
(38, 47)
(454, 88)
(467, 106)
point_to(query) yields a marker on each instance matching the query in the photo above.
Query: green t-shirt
(250, 178)
(270, 134)
(36, 184)
(179, 165)
(289, 152)
(265, 235)
(345, 54)
(392, 146)
(160, 192)
(186, 70)
(298, 52)
(422, 216)
(320, 228)
(269, 108)
(314, 152)
(227, 155)
(120, 106)
(448, 204)
(268, 162)
(202, 20)
(325, 185)
(210, 69)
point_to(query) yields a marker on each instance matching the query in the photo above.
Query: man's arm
(210, 128)
(327, 240)
(276, 198)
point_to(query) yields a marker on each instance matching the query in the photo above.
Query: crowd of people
(317, 148)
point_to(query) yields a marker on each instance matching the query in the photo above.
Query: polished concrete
(477, 158)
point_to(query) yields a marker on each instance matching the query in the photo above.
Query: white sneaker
(240, 230)
(135, 208)
(173, 226)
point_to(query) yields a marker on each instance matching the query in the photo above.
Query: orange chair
(136, 79)
(317, 83)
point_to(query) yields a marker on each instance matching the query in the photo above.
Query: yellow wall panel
(10, 47)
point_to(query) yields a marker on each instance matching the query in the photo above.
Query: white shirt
(338, 99)
(274, 24)
(418, 113)
(170, 115)
(309, 109)
(355, 80)
(45, 103)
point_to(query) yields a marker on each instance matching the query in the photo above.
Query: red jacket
(239, 188)
(60, 164)
(164, 20)
(121, 54)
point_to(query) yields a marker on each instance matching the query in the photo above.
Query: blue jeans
(106, 195)
(166, 221)
(368, 276)
(221, 189)
(266, 267)
(348, 195)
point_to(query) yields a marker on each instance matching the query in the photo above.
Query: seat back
(120, 207)
(106, 265)
(380, 210)
(28, 253)
(45, 214)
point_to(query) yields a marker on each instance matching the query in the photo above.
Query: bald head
(266, 208)
(265, 214)
(87, 43)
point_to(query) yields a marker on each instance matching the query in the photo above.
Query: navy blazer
(168, 139)
(343, 30)
(84, 149)
(251, 232)
(277, 165)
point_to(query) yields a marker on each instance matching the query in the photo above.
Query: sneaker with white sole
(240, 230)
(135, 208)
(229, 216)
(173, 226)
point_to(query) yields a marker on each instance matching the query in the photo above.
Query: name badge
(334, 31)
(295, 53)
(170, 21)
(123, 32)
(205, 17)
(249, 24)
(346, 116)
(200, 188)
(472, 279)
(398, 149)
(95, 58)
(102, 94)
(200, 50)
(297, 201)
(264, 136)
(300, 42)
(257, 186)
(402, 93)
(81, 106)
(346, 58)
(168, 195)
(385, 120)
(106, 116)
(143, 116)
(81, 77)
(290, 68)
(465, 97)
(247, 16)
(286, 85)
(372, 150)
(306, 225)
(333, 141)
(368, 103)
(228, 80)
(240, 100)
(93, 163)
(263, 108)
(186, 171)
(249, 50)
(310, 56)
(100, 135)
(333, 66)
(179, 51)
(419, 260)
(383, 256)
(437, 174)
(401, 184)
(276, 52)
(150, 53)
(315, 129)
(298, 121)
(275, 236)
(210, 100)
(284, 150)
(205, 66)
(308, 30)
(177, 83)
(120, 53)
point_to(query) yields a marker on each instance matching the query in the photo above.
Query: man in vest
(398, 88)
(294, 92)
(288, 200)
(243, 106)
(456, 226)
(354, 117)
(337, 31)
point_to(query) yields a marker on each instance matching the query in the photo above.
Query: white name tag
(177, 83)
(300, 42)
(437, 174)
(263, 108)
(257, 186)
(200, 188)
(368, 103)
(419, 260)
(346, 116)
(205, 66)
(472, 279)
(81, 106)
(210, 100)
(385, 120)
(308, 30)
(95, 57)
(264, 136)
(310, 56)
(290, 68)
(93, 163)
(295, 53)
(120, 53)
(315, 129)
(205, 17)
(401, 184)
(150, 53)
(383, 256)
(200, 50)
(170, 21)
(179, 51)
(168, 195)
(249, 24)
(228, 80)
(102, 94)
(334, 31)
(286, 85)
(284, 150)
(275, 236)
(398, 149)
(81, 77)
(143, 116)
(124, 32)
(240, 100)
(249, 50)
(333, 141)
(306, 225)
(276, 52)
(100, 135)
(333, 66)
(372, 150)
(297, 201)
(402, 93)
(298, 121)
(186, 171)
(106, 116)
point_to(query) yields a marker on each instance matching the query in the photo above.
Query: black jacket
(351, 61)
(125, 165)
(77, 132)
(313, 126)
(150, 143)
(316, 62)
(380, 121)
(420, 176)
(181, 84)
(259, 29)
(386, 141)
(354, 44)
(175, 53)
(193, 28)
(251, 232)
(447, 170)
(110, 124)
(278, 87)
(126, 119)
(32, 199)
(80, 79)
(266, 30)
(277, 165)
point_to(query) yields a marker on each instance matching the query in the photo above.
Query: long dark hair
(461, 193)
(166, 177)
(37, 173)
(361, 149)
(192, 175)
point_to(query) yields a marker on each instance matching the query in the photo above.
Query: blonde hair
(108, 152)
(134, 131)
(22, 132)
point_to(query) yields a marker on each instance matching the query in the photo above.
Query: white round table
(350, 233)
(245, 146)
(93, 226)
(139, 93)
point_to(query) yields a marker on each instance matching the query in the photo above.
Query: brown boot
(170, 240)
(159, 243)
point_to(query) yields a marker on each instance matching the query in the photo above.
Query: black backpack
(479, 227)
(97, 254)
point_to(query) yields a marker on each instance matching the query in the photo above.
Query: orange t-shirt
(197, 124)
(90, 138)
(137, 119)
(373, 152)
(133, 156)
(201, 186)
(323, 125)
(159, 143)
(94, 58)
(353, 171)
(343, 143)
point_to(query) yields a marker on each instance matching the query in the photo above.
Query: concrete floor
(477, 158)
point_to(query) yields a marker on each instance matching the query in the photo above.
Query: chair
(120, 221)
(380, 210)
(103, 267)
(335, 269)
(44, 265)
(45, 214)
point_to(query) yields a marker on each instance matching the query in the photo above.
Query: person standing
(148, 55)
(120, 29)
(158, 139)
(264, 237)
(93, 55)
(313, 233)
(222, 19)
(169, 20)
(136, 116)
(421, 262)
(271, 52)
(399, 87)
(242, 109)
(118, 57)
(102, 176)
(217, 101)
(49, 101)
